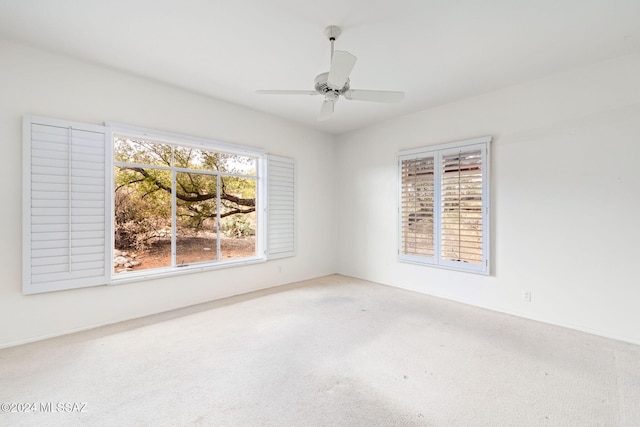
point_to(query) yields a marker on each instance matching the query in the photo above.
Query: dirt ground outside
(192, 250)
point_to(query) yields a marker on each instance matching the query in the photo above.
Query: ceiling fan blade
(341, 65)
(287, 92)
(374, 95)
(326, 110)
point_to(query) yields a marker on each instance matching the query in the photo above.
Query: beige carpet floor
(333, 351)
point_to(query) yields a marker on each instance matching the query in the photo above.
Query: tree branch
(237, 211)
(194, 198)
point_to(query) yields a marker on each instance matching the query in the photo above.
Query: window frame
(438, 152)
(118, 129)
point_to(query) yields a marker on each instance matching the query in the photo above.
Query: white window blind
(444, 205)
(64, 205)
(281, 240)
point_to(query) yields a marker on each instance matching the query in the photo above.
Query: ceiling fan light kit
(336, 82)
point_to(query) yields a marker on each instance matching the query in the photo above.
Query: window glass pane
(195, 158)
(128, 150)
(238, 217)
(462, 207)
(142, 224)
(196, 217)
(235, 163)
(417, 206)
(199, 159)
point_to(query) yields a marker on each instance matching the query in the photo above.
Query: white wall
(566, 198)
(33, 82)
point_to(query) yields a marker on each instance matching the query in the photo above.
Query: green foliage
(239, 186)
(196, 216)
(138, 220)
(237, 226)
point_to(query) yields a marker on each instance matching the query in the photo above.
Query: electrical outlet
(526, 296)
(279, 269)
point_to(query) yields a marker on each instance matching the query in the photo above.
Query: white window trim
(159, 273)
(482, 143)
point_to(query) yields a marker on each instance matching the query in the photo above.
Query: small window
(444, 200)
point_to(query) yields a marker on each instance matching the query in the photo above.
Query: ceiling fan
(336, 82)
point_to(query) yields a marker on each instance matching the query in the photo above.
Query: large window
(177, 205)
(114, 203)
(444, 200)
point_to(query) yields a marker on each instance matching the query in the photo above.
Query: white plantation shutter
(65, 206)
(462, 216)
(444, 201)
(281, 240)
(417, 198)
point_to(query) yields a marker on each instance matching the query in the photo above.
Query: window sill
(159, 273)
(463, 267)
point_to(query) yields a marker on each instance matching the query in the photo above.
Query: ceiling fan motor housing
(322, 86)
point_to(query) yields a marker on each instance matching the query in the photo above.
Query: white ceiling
(438, 51)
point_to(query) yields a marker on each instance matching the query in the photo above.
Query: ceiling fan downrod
(332, 32)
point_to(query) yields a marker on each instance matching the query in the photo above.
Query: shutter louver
(280, 207)
(461, 197)
(417, 206)
(65, 207)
